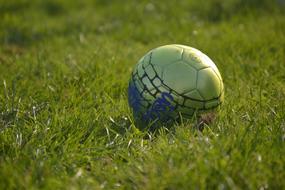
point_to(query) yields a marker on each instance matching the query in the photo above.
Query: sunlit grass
(64, 118)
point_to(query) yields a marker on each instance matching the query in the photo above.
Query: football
(173, 81)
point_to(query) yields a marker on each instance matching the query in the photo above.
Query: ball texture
(173, 81)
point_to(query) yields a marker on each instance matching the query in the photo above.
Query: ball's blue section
(134, 98)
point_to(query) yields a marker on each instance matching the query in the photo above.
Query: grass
(64, 117)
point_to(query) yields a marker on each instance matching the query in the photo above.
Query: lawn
(64, 116)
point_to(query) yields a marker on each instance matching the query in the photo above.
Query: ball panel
(140, 70)
(180, 77)
(182, 46)
(147, 96)
(138, 83)
(166, 55)
(157, 82)
(146, 60)
(212, 104)
(145, 104)
(194, 104)
(208, 84)
(158, 70)
(162, 88)
(162, 108)
(150, 72)
(177, 98)
(186, 111)
(194, 94)
(147, 83)
(206, 59)
(193, 58)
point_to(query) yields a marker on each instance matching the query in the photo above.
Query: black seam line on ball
(145, 90)
(145, 87)
(134, 80)
(184, 98)
(176, 102)
(182, 94)
(141, 92)
(216, 74)
(203, 68)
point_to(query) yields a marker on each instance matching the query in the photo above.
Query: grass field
(64, 117)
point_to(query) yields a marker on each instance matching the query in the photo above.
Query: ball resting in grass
(173, 82)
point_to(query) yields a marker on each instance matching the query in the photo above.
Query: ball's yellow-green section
(176, 75)
(174, 80)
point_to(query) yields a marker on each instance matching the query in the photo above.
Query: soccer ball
(173, 81)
